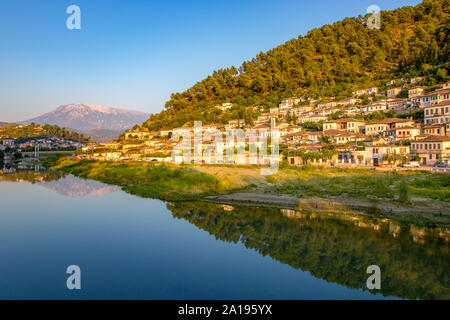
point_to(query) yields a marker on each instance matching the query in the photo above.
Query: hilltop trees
(33, 130)
(328, 61)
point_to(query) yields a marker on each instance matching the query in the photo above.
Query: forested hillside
(329, 61)
(32, 130)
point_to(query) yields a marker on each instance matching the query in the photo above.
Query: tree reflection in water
(414, 261)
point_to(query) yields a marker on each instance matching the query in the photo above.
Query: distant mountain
(2, 124)
(83, 117)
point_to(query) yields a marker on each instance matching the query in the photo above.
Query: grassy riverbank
(421, 197)
(145, 179)
(404, 187)
(420, 194)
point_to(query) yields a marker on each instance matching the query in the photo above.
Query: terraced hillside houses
(388, 129)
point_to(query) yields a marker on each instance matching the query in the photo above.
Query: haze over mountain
(99, 122)
(82, 117)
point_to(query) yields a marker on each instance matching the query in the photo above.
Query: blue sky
(134, 54)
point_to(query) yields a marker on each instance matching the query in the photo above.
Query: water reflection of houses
(394, 228)
(331, 246)
(291, 214)
(227, 207)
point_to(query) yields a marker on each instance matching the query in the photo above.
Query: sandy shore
(331, 204)
(257, 199)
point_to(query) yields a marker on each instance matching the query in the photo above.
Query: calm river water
(135, 248)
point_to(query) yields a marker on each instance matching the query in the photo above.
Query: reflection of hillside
(333, 249)
(61, 183)
(71, 186)
(30, 176)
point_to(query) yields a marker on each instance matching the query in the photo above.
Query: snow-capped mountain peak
(91, 117)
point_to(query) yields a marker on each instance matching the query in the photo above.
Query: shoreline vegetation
(420, 197)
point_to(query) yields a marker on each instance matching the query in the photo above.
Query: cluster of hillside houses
(51, 143)
(355, 142)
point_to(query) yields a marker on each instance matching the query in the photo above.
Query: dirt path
(337, 204)
(257, 199)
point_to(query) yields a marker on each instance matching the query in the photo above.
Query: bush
(404, 193)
